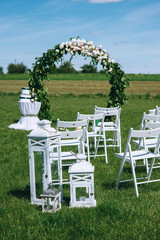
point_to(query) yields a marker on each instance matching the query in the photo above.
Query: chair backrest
(109, 113)
(149, 117)
(157, 110)
(92, 119)
(72, 134)
(151, 125)
(142, 135)
(114, 115)
(71, 125)
(78, 135)
(106, 109)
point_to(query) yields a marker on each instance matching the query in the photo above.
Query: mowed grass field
(81, 87)
(83, 76)
(119, 215)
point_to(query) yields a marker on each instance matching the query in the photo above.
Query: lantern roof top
(50, 191)
(44, 130)
(81, 167)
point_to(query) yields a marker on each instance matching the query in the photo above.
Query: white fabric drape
(29, 119)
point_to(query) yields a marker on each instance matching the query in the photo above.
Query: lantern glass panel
(82, 193)
(54, 172)
(39, 172)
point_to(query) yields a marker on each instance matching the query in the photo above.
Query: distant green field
(82, 76)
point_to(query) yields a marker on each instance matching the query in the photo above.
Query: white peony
(90, 48)
(84, 52)
(89, 54)
(83, 41)
(73, 40)
(69, 43)
(78, 40)
(62, 45)
(95, 53)
(90, 43)
(110, 70)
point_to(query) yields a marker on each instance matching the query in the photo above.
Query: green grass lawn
(119, 215)
(82, 76)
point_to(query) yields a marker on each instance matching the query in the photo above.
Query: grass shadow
(107, 185)
(21, 193)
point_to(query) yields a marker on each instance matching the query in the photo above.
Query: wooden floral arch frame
(44, 64)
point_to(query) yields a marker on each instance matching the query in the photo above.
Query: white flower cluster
(86, 49)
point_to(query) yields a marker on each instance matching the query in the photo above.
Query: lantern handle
(76, 156)
(55, 131)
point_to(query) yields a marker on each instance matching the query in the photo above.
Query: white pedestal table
(29, 119)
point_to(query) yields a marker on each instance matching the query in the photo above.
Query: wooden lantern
(42, 141)
(82, 183)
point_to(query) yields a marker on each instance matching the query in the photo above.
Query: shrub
(16, 68)
(66, 67)
(1, 70)
(88, 68)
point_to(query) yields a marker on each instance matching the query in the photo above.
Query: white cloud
(104, 1)
(140, 15)
(99, 32)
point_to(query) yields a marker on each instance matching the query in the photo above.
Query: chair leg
(118, 139)
(146, 164)
(115, 138)
(97, 146)
(119, 135)
(88, 153)
(96, 150)
(79, 149)
(105, 148)
(134, 178)
(150, 169)
(120, 172)
(95, 143)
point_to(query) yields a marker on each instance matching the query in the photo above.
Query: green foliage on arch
(44, 64)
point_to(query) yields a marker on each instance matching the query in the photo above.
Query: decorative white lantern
(51, 199)
(82, 183)
(42, 141)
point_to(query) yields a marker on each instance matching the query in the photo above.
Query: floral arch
(44, 64)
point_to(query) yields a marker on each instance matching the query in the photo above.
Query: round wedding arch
(44, 64)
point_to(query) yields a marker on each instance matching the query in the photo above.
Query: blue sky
(128, 29)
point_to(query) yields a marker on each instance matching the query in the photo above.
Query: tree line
(65, 67)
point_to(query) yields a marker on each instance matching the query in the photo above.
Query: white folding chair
(112, 125)
(132, 157)
(149, 118)
(148, 122)
(72, 126)
(93, 133)
(106, 109)
(157, 110)
(69, 139)
(149, 143)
